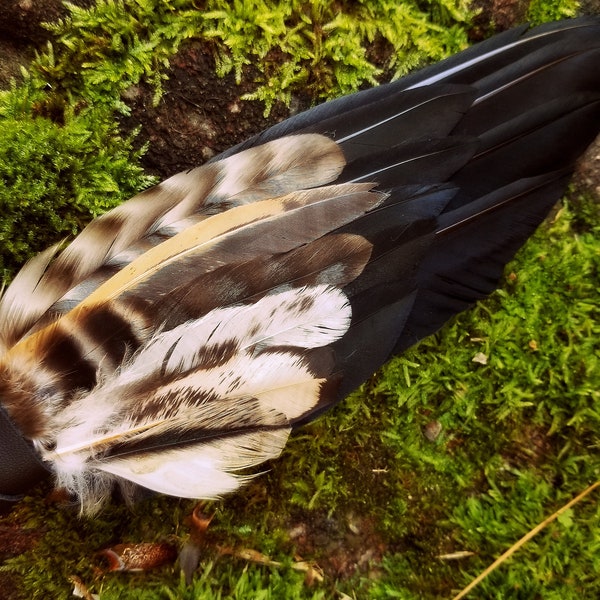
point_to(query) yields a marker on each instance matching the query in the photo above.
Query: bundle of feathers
(181, 337)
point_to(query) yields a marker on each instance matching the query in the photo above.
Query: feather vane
(272, 170)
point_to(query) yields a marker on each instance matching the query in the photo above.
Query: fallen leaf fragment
(480, 358)
(458, 555)
(432, 430)
(191, 551)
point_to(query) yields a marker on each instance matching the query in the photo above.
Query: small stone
(432, 430)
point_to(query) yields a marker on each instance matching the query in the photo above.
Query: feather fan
(181, 337)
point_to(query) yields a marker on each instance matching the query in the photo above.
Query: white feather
(204, 471)
(279, 386)
(301, 317)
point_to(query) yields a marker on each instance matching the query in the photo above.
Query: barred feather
(257, 230)
(125, 232)
(239, 370)
(181, 337)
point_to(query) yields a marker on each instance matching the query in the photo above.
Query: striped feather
(256, 230)
(274, 169)
(241, 370)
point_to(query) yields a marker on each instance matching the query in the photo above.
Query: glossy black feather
(535, 109)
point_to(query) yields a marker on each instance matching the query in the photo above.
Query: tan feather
(15, 314)
(304, 216)
(204, 236)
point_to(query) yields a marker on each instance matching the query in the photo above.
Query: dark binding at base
(20, 466)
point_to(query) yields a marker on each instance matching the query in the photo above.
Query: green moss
(55, 178)
(319, 47)
(542, 11)
(325, 44)
(101, 51)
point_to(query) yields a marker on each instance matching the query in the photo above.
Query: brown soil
(199, 114)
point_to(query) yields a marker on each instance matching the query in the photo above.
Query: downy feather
(207, 472)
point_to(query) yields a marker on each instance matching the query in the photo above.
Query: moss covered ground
(412, 486)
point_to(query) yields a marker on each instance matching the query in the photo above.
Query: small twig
(458, 555)
(524, 540)
(254, 556)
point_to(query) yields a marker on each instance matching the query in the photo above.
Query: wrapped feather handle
(181, 337)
